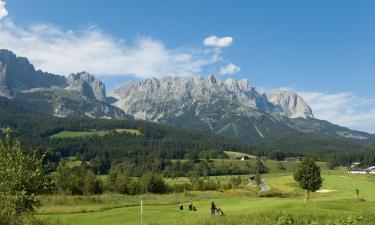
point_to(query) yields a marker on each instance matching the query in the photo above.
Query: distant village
(356, 168)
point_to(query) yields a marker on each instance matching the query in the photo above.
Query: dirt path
(264, 186)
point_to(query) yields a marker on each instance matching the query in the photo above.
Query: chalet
(245, 158)
(251, 179)
(355, 165)
(371, 170)
(293, 159)
(357, 171)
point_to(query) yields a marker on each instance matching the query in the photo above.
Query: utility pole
(141, 212)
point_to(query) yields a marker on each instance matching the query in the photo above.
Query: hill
(143, 146)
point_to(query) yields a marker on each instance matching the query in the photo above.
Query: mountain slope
(230, 107)
(79, 95)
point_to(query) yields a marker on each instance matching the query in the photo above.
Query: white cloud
(3, 10)
(345, 109)
(229, 69)
(215, 41)
(55, 50)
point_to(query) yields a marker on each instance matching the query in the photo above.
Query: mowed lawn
(341, 200)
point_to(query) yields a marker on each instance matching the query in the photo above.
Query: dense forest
(157, 144)
(150, 151)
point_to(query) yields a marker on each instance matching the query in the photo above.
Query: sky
(324, 50)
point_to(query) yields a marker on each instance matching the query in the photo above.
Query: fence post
(141, 212)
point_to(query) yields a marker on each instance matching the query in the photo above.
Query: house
(251, 179)
(371, 170)
(293, 159)
(357, 171)
(355, 165)
(244, 158)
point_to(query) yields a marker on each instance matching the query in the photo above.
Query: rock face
(4, 90)
(154, 98)
(233, 108)
(290, 104)
(79, 95)
(87, 85)
(18, 74)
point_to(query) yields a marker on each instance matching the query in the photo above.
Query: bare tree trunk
(307, 196)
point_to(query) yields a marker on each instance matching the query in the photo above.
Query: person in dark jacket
(213, 208)
(190, 206)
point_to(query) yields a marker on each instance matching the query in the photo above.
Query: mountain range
(232, 108)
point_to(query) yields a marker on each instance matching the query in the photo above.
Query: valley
(90, 156)
(243, 205)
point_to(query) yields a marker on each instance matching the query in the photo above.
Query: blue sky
(323, 49)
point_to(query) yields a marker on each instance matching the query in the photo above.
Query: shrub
(154, 183)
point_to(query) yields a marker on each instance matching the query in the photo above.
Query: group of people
(191, 207)
(213, 208)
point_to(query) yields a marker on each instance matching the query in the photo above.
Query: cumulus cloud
(3, 10)
(55, 50)
(214, 41)
(229, 69)
(344, 109)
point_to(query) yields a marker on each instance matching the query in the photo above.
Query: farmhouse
(355, 165)
(357, 171)
(353, 170)
(293, 159)
(244, 158)
(371, 170)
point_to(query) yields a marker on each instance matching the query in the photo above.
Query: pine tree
(308, 176)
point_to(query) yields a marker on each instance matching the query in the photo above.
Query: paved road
(264, 186)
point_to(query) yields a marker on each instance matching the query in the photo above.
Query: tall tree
(308, 176)
(22, 179)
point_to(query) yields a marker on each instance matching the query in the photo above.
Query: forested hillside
(149, 151)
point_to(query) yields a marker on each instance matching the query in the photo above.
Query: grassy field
(234, 155)
(339, 199)
(82, 134)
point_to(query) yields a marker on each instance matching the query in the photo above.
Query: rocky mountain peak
(87, 85)
(156, 97)
(18, 74)
(290, 104)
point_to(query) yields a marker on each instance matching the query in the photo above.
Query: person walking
(213, 208)
(190, 206)
(181, 206)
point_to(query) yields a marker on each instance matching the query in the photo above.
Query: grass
(78, 134)
(234, 155)
(129, 131)
(238, 204)
(82, 134)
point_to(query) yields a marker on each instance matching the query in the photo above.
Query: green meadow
(337, 201)
(82, 134)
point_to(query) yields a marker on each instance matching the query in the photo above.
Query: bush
(179, 188)
(210, 186)
(154, 183)
(135, 187)
(236, 181)
(91, 184)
